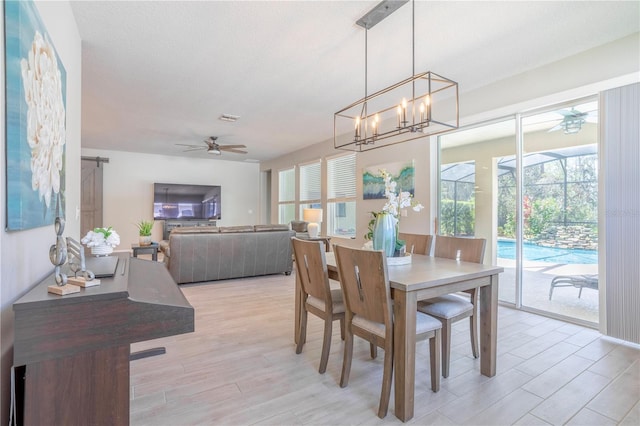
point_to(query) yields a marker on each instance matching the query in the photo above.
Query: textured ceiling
(157, 73)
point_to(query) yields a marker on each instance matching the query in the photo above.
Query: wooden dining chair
(417, 243)
(451, 308)
(369, 315)
(317, 295)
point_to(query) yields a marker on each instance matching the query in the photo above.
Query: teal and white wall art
(402, 172)
(35, 120)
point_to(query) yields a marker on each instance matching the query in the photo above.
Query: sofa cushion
(265, 228)
(228, 229)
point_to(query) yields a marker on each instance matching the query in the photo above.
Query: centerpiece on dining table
(385, 224)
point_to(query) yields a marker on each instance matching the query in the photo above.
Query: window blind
(310, 182)
(619, 163)
(341, 177)
(286, 185)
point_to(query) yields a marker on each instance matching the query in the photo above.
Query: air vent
(229, 117)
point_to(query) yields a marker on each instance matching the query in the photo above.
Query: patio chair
(577, 281)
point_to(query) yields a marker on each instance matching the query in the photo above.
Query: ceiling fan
(572, 121)
(212, 147)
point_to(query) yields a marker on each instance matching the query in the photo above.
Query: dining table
(423, 278)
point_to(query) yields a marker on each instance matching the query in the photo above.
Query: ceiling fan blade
(232, 146)
(190, 146)
(236, 151)
(194, 149)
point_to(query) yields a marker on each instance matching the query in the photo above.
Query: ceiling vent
(229, 117)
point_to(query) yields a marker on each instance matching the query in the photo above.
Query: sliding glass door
(533, 196)
(560, 210)
(477, 192)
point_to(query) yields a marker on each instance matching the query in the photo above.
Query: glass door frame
(519, 155)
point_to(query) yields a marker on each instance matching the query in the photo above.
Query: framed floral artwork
(36, 87)
(401, 172)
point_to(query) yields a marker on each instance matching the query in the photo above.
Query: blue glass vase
(384, 234)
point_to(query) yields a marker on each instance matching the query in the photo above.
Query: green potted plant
(144, 228)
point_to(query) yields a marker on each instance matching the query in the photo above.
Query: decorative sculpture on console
(77, 262)
(58, 252)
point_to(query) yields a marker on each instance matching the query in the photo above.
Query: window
(310, 183)
(286, 195)
(457, 197)
(341, 195)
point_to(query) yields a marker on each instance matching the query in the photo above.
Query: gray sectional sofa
(210, 253)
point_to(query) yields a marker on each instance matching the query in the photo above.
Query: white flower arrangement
(395, 201)
(101, 237)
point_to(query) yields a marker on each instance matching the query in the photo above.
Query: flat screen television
(186, 202)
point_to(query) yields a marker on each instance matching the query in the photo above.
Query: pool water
(507, 250)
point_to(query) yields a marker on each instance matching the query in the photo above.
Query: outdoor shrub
(457, 218)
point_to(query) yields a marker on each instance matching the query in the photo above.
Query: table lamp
(314, 217)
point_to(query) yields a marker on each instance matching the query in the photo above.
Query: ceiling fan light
(215, 151)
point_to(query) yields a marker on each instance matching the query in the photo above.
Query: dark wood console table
(73, 351)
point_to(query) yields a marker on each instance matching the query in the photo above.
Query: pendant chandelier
(421, 105)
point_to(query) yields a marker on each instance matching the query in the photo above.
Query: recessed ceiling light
(229, 117)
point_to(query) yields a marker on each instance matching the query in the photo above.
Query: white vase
(145, 240)
(103, 250)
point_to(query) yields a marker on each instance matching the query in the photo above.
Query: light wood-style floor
(240, 368)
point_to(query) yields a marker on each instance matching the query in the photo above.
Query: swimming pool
(507, 250)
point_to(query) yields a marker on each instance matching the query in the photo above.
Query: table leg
(154, 255)
(405, 310)
(489, 327)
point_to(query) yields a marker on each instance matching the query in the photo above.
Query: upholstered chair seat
(448, 306)
(451, 307)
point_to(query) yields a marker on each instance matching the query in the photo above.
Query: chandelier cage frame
(422, 105)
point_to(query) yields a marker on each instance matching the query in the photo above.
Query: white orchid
(396, 202)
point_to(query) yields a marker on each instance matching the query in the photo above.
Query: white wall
(128, 188)
(24, 255)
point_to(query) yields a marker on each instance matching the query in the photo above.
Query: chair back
(365, 284)
(417, 243)
(311, 266)
(465, 249)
